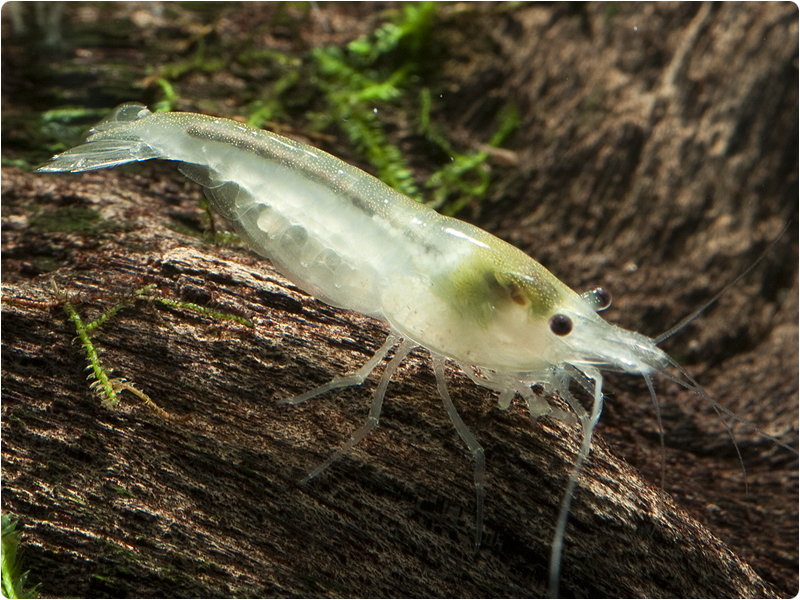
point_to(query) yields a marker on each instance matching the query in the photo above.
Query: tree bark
(212, 507)
(657, 157)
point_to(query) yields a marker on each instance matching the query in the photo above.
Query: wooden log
(212, 507)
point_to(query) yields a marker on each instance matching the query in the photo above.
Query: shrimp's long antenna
(691, 384)
(686, 320)
(650, 387)
(694, 386)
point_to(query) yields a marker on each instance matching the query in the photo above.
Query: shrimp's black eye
(561, 325)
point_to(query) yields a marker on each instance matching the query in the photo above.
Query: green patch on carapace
(488, 282)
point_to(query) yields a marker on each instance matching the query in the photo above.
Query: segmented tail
(114, 141)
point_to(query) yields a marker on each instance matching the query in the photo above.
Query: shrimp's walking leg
(377, 400)
(469, 439)
(356, 378)
(588, 422)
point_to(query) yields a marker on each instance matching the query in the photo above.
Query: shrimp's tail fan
(116, 140)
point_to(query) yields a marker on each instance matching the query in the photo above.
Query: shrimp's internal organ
(354, 242)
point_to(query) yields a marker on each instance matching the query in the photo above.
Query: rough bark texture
(657, 157)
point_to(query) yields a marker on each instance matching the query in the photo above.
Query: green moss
(122, 491)
(352, 103)
(104, 385)
(464, 178)
(374, 73)
(13, 578)
(72, 115)
(169, 99)
(68, 219)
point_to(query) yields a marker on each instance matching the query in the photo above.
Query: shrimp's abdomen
(329, 227)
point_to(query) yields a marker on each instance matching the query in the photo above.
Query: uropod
(438, 283)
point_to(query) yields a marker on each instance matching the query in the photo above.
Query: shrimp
(439, 283)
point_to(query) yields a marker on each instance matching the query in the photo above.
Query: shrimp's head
(522, 318)
(493, 306)
(582, 338)
(555, 326)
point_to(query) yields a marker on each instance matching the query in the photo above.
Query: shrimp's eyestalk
(599, 298)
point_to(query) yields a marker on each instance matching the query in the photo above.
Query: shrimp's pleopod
(442, 284)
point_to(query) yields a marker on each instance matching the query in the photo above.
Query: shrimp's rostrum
(354, 242)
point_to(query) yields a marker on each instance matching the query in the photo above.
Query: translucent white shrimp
(439, 283)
